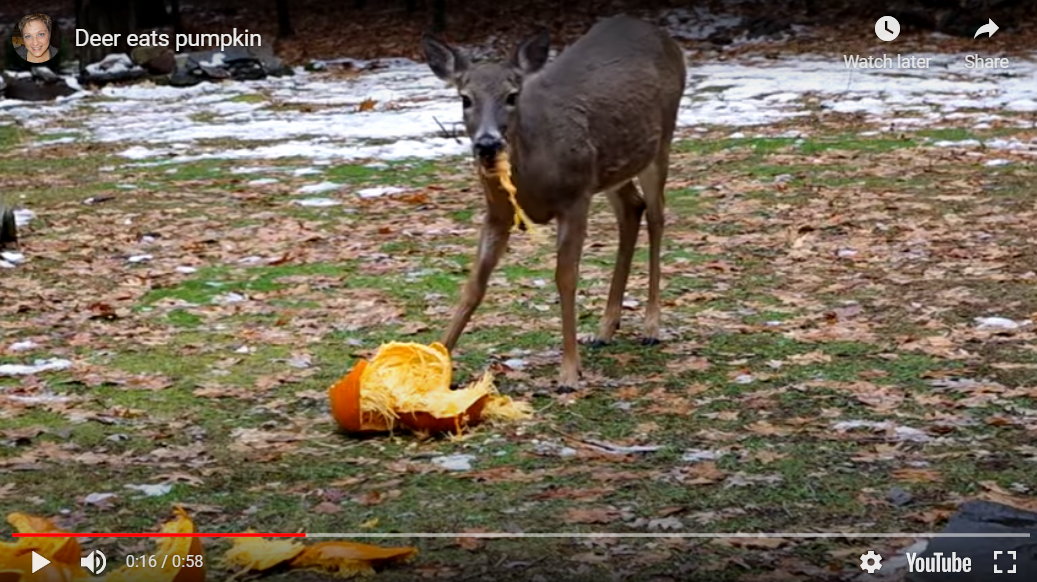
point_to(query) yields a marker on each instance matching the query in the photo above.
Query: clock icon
(887, 28)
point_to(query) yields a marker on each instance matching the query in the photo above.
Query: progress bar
(158, 535)
(664, 535)
(506, 535)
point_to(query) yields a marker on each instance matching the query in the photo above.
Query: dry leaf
(260, 554)
(347, 559)
(762, 543)
(913, 475)
(591, 515)
(703, 473)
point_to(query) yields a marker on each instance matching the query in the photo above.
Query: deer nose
(487, 146)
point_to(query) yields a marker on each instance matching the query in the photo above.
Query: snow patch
(49, 365)
(321, 187)
(378, 191)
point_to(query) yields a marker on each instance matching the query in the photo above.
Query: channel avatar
(32, 38)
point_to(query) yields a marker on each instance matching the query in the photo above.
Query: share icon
(990, 28)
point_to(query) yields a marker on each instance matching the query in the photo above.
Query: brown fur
(600, 115)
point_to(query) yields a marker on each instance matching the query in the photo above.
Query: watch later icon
(887, 28)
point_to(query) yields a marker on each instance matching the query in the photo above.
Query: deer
(594, 119)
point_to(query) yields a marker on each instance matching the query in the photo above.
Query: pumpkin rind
(409, 384)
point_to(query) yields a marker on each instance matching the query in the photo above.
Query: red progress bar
(157, 535)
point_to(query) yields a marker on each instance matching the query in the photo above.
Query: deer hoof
(563, 389)
(650, 341)
(598, 343)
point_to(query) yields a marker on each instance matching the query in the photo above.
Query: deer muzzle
(486, 148)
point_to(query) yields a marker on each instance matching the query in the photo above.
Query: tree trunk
(178, 26)
(105, 17)
(151, 14)
(284, 20)
(438, 16)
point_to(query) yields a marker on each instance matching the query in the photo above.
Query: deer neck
(520, 143)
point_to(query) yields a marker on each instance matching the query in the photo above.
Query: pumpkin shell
(424, 422)
(345, 404)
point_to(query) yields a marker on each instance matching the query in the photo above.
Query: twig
(609, 447)
(445, 132)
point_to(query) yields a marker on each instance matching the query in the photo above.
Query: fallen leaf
(917, 475)
(471, 543)
(591, 515)
(258, 554)
(344, 559)
(703, 473)
(761, 543)
(327, 508)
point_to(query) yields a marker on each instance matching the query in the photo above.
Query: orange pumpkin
(426, 422)
(170, 547)
(345, 404)
(63, 553)
(408, 384)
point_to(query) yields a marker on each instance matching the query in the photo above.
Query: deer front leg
(493, 241)
(572, 229)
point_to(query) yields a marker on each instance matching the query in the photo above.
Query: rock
(899, 497)
(45, 75)
(238, 63)
(765, 26)
(115, 67)
(156, 60)
(986, 517)
(111, 64)
(39, 85)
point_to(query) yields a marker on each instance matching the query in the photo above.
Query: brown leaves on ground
(592, 515)
(822, 343)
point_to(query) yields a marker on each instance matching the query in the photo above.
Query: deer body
(599, 116)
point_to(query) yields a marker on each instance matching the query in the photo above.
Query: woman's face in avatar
(37, 38)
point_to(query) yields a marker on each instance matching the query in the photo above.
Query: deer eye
(512, 99)
(466, 101)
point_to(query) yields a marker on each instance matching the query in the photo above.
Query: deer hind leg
(653, 184)
(629, 206)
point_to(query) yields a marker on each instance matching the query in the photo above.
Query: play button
(38, 562)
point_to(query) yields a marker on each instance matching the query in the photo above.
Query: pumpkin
(53, 572)
(346, 404)
(63, 553)
(408, 385)
(502, 172)
(169, 547)
(341, 559)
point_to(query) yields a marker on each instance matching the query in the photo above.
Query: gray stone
(41, 85)
(986, 517)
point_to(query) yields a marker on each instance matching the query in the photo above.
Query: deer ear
(444, 60)
(531, 54)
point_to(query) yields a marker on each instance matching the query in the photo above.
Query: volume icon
(94, 562)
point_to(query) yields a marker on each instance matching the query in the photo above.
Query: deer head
(490, 92)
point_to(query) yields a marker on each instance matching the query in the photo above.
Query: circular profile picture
(36, 39)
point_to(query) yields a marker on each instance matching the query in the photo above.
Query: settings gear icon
(871, 562)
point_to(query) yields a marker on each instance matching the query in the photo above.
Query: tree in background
(284, 20)
(123, 17)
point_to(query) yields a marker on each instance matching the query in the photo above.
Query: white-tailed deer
(595, 118)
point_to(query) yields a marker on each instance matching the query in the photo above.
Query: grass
(774, 335)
